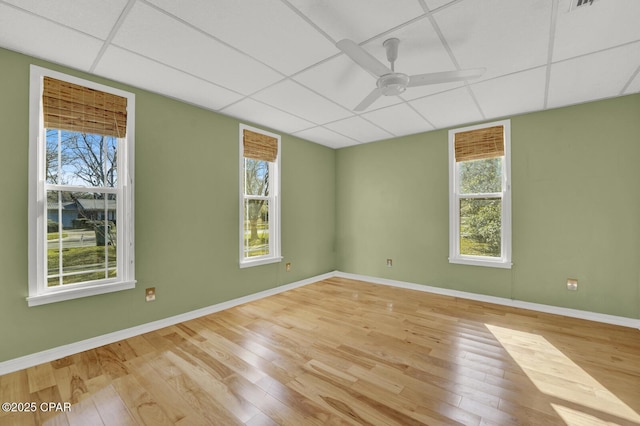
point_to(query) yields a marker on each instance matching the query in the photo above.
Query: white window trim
(504, 261)
(39, 292)
(274, 255)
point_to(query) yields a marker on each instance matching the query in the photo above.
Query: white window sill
(481, 261)
(78, 292)
(260, 261)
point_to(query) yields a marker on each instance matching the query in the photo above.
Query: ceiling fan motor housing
(393, 83)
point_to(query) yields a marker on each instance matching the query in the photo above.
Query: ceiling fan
(390, 82)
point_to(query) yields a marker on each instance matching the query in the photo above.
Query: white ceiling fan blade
(362, 57)
(371, 98)
(444, 77)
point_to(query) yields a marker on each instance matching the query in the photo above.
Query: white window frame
(39, 292)
(274, 204)
(504, 261)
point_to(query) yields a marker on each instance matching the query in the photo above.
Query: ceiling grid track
(444, 42)
(394, 29)
(308, 21)
(552, 40)
(631, 79)
(112, 34)
(410, 105)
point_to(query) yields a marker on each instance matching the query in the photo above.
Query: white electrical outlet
(572, 284)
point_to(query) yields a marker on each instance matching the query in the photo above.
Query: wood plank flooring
(346, 352)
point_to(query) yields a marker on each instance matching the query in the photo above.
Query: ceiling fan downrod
(391, 45)
(393, 83)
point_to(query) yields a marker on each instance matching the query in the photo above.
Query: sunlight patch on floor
(554, 374)
(573, 417)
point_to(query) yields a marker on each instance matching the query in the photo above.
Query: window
(480, 195)
(80, 188)
(259, 197)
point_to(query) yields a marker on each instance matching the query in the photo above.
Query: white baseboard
(49, 355)
(568, 312)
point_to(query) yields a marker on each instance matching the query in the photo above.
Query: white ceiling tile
(359, 129)
(344, 82)
(604, 73)
(501, 36)
(512, 94)
(358, 20)
(121, 65)
(94, 17)
(268, 30)
(266, 115)
(601, 25)
(23, 32)
(302, 102)
(399, 120)
(325, 137)
(156, 35)
(446, 109)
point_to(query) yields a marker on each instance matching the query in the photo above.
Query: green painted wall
(576, 206)
(186, 219)
(575, 201)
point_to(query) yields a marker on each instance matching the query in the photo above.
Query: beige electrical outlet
(572, 284)
(287, 267)
(150, 294)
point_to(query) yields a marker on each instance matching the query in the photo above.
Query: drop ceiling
(275, 63)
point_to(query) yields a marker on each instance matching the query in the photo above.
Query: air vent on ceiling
(576, 4)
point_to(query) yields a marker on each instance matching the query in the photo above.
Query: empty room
(310, 212)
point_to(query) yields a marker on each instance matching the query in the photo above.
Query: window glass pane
(111, 172)
(85, 247)
(256, 177)
(51, 156)
(480, 226)
(54, 216)
(75, 158)
(480, 176)
(82, 264)
(256, 228)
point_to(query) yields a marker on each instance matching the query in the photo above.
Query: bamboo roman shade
(479, 144)
(75, 108)
(259, 147)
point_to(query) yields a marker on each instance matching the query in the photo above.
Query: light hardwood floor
(347, 352)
